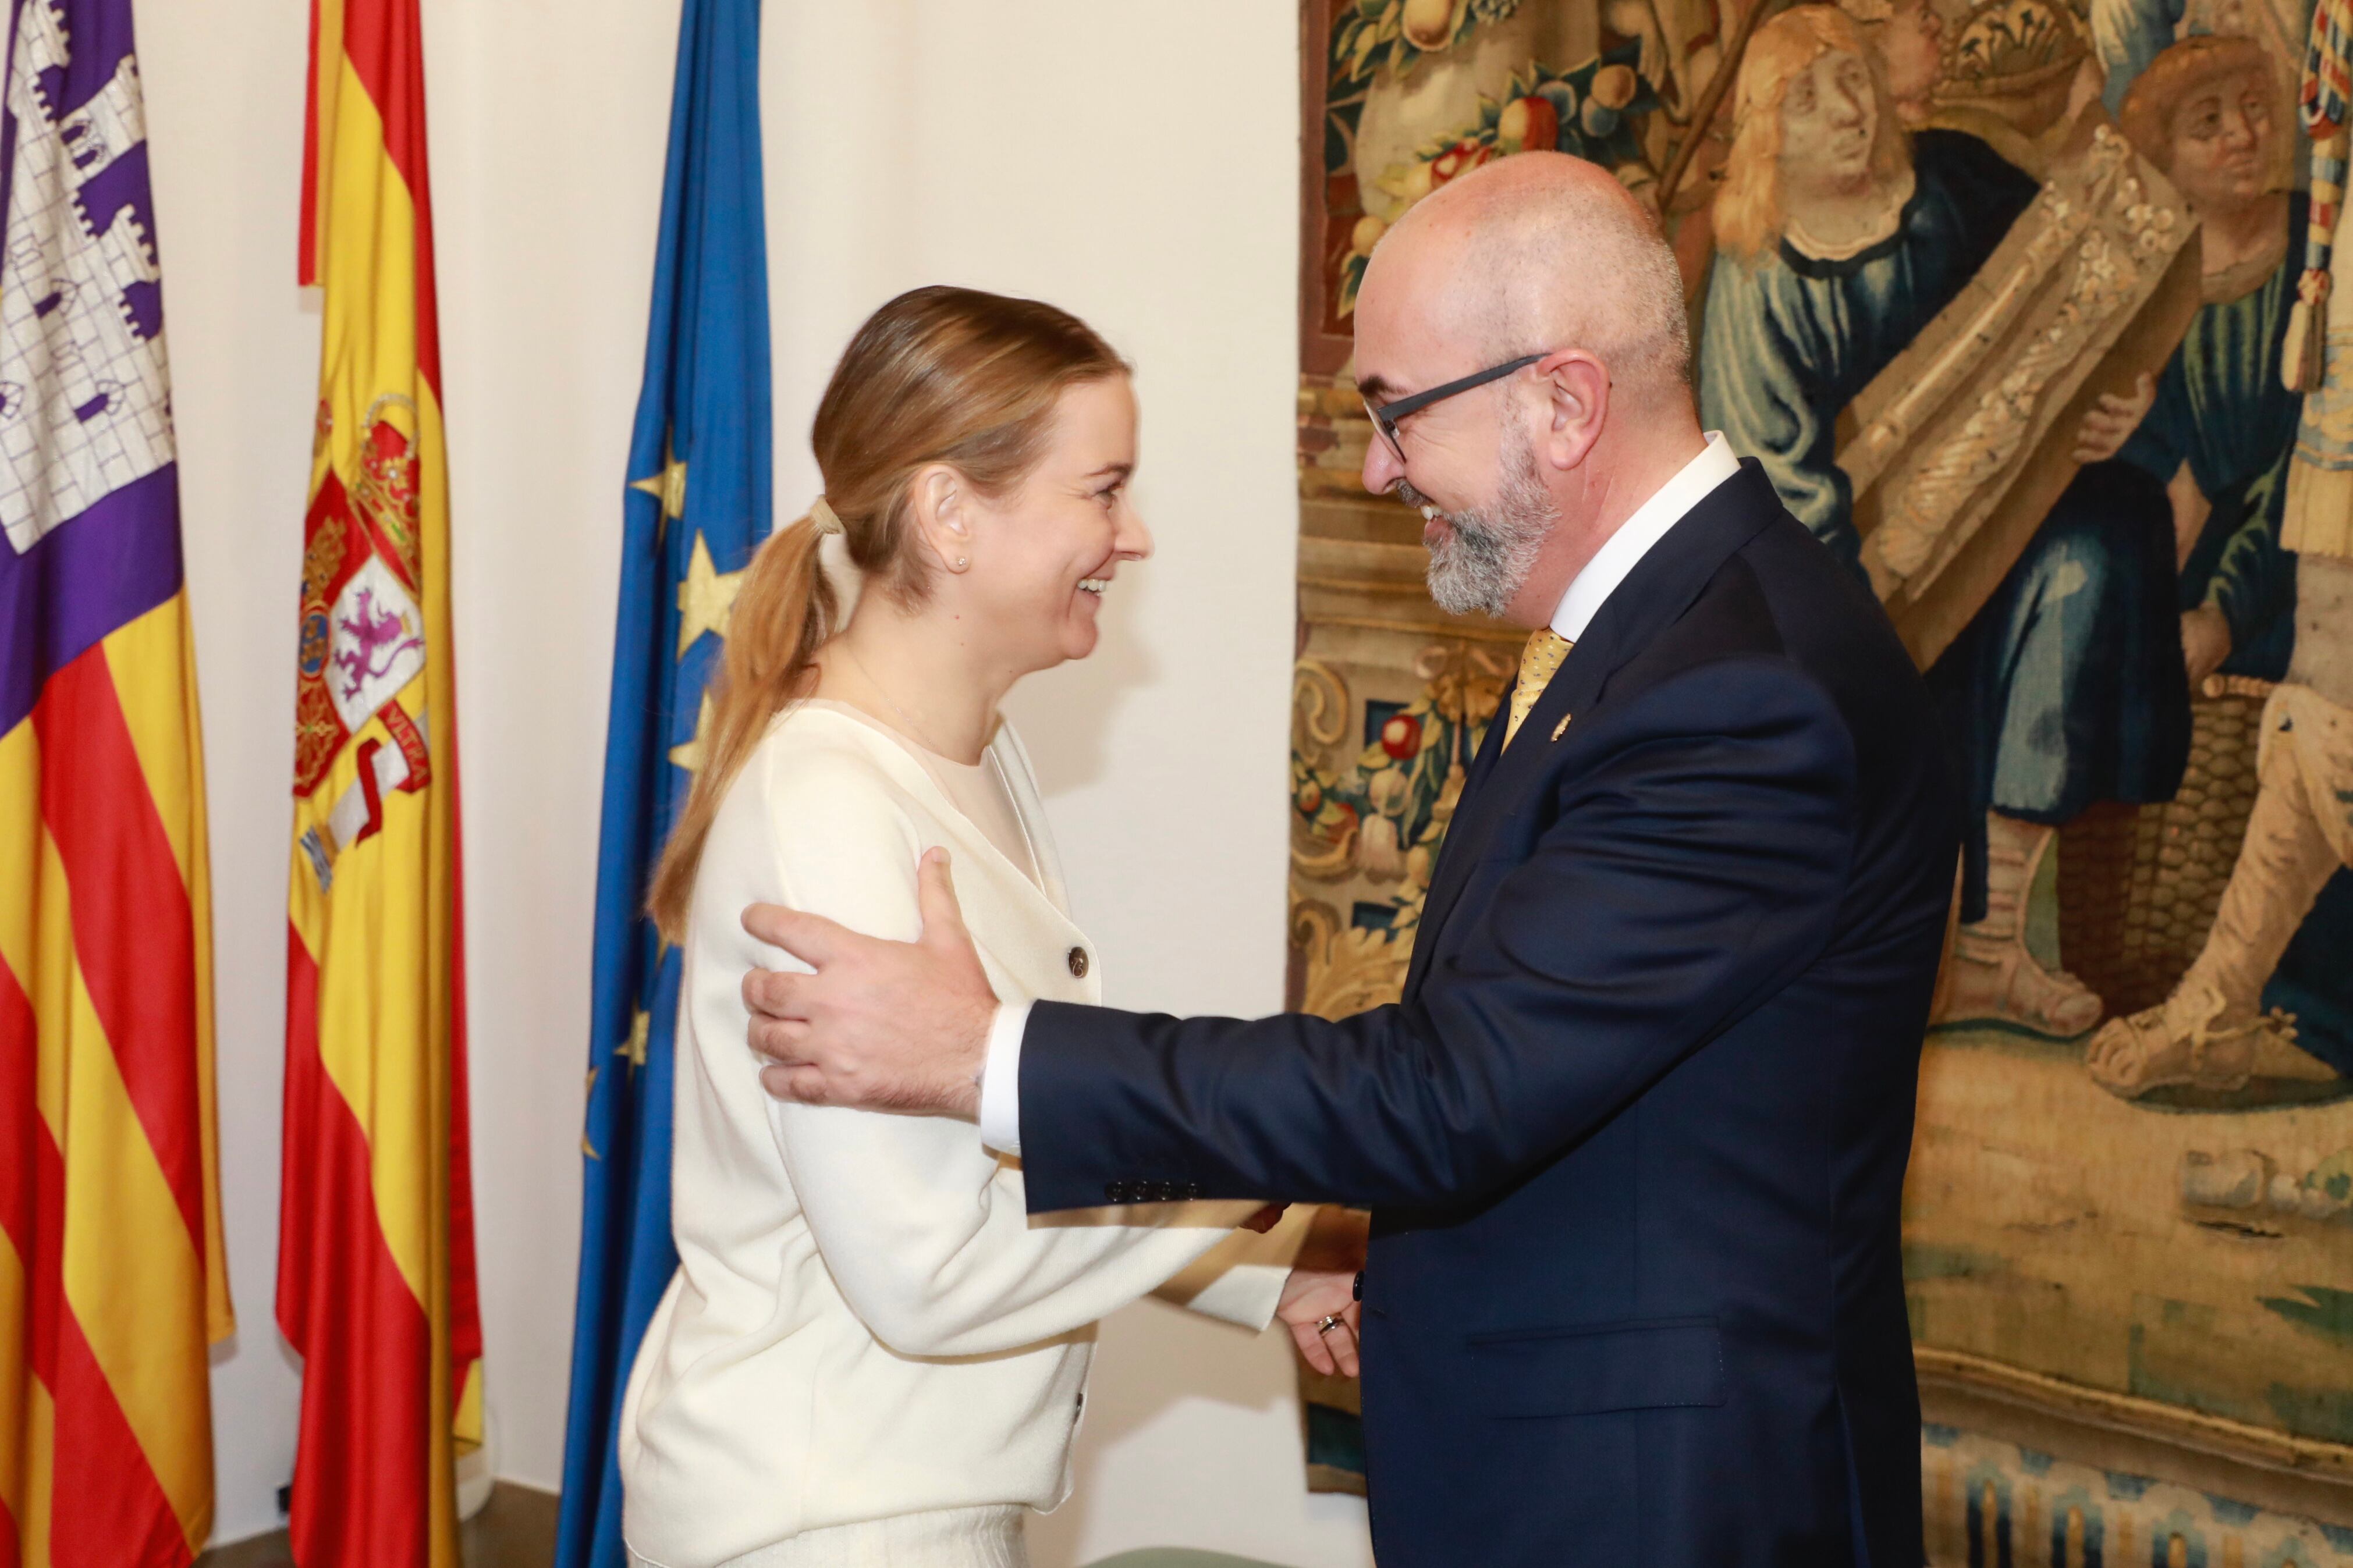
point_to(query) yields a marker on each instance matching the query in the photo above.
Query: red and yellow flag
(111, 1272)
(376, 1277)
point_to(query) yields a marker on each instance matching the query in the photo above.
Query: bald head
(1530, 253)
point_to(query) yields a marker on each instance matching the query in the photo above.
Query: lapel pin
(1562, 728)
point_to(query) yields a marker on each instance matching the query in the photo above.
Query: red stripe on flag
(21, 1135)
(108, 1510)
(383, 40)
(111, 1512)
(360, 1467)
(20, 1112)
(134, 936)
(306, 252)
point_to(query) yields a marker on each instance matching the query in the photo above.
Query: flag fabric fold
(111, 1281)
(697, 505)
(375, 1274)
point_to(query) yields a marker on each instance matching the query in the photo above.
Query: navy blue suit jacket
(1635, 1137)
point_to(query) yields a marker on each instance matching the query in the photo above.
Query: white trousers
(947, 1538)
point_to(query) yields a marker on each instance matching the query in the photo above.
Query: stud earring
(961, 563)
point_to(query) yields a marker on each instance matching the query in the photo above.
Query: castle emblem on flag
(84, 409)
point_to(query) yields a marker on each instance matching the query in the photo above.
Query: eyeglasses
(1385, 417)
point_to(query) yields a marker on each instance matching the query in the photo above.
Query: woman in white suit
(869, 1353)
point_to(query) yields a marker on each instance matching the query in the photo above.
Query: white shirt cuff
(1000, 1079)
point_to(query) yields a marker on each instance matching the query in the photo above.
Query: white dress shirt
(1000, 1077)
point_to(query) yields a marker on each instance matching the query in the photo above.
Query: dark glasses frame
(1385, 415)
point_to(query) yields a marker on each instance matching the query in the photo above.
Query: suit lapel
(1499, 781)
(1463, 835)
(1662, 585)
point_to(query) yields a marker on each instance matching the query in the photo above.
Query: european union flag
(696, 506)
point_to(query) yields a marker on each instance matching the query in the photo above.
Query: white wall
(1136, 164)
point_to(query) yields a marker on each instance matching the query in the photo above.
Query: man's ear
(1577, 406)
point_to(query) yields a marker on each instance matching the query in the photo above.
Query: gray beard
(1479, 565)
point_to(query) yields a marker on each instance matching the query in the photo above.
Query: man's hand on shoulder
(888, 1025)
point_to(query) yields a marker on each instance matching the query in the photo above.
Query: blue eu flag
(696, 506)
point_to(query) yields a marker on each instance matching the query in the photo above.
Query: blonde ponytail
(937, 375)
(784, 612)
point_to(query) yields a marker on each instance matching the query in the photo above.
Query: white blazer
(865, 1322)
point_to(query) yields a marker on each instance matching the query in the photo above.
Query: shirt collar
(1623, 549)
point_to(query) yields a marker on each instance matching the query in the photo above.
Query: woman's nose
(1135, 537)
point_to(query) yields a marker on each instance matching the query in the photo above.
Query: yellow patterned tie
(1543, 655)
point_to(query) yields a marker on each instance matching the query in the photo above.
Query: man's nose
(1383, 468)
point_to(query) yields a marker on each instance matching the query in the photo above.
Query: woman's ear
(943, 515)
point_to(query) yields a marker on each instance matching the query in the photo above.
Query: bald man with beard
(1634, 1138)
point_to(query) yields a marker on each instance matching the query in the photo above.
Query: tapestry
(2025, 306)
(1992, 1504)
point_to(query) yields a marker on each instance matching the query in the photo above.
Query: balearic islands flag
(111, 1275)
(375, 1279)
(696, 506)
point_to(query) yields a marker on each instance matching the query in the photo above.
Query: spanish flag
(111, 1274)
(376, 1277)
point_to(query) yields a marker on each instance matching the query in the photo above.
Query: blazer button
(1078, 963)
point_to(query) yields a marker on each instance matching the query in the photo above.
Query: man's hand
(890, 1026)
(2110, 421)
(1323, 1285)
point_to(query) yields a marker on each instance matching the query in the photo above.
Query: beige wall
(1136, 163)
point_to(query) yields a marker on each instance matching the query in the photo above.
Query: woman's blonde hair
(1749, 215)
(943, 376)
(2177, 75)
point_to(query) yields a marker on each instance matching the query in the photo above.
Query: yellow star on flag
(585, 1147)
(634, 1048)
(689, 755)
(669, 487)
(705, 598)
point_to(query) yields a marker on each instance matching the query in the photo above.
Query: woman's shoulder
(818, 804)
(820, 766)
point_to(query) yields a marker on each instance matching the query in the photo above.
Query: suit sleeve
(1695, 865)
(932, 1247)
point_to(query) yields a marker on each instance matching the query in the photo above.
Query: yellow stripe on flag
(132, 1280)
(372, 1025)
(153, 661)
(143, 658)
(20, 846)
(370, 321)
(40, 1477)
